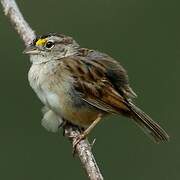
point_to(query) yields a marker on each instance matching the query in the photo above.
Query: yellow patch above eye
(41, 42)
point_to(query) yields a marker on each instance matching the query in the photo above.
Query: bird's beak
(31, 50)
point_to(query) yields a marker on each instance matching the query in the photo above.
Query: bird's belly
(64, 105)
(81, 116)
(56, 102)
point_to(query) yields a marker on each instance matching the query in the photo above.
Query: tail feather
(150, 127)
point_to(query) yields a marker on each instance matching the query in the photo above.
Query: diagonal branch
(12, 11)
(83, 148)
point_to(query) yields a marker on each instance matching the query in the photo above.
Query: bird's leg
(84, 134)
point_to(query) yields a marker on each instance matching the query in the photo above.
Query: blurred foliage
(145, 37)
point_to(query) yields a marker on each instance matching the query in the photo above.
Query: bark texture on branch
(83, 149)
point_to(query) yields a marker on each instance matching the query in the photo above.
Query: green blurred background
(145, 37)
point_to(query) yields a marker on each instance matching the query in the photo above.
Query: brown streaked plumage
(82, 85)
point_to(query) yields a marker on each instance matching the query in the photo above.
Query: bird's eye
(49, 44)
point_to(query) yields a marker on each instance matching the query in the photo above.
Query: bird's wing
(101, 81)
(116, 74)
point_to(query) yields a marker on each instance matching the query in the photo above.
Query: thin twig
(83, 149)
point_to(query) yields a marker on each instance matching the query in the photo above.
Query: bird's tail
(150, 127)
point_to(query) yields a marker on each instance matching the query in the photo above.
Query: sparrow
(81, 86)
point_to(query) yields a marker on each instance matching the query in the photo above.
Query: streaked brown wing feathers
(96, 89)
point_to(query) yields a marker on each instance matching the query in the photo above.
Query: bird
(82, 86)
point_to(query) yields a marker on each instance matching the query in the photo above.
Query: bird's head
(51, 47)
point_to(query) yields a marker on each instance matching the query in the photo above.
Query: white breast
(35, 80)
(52, 100)
(52, 96)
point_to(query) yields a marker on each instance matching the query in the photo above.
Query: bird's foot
(78, 138)
(76, 141)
